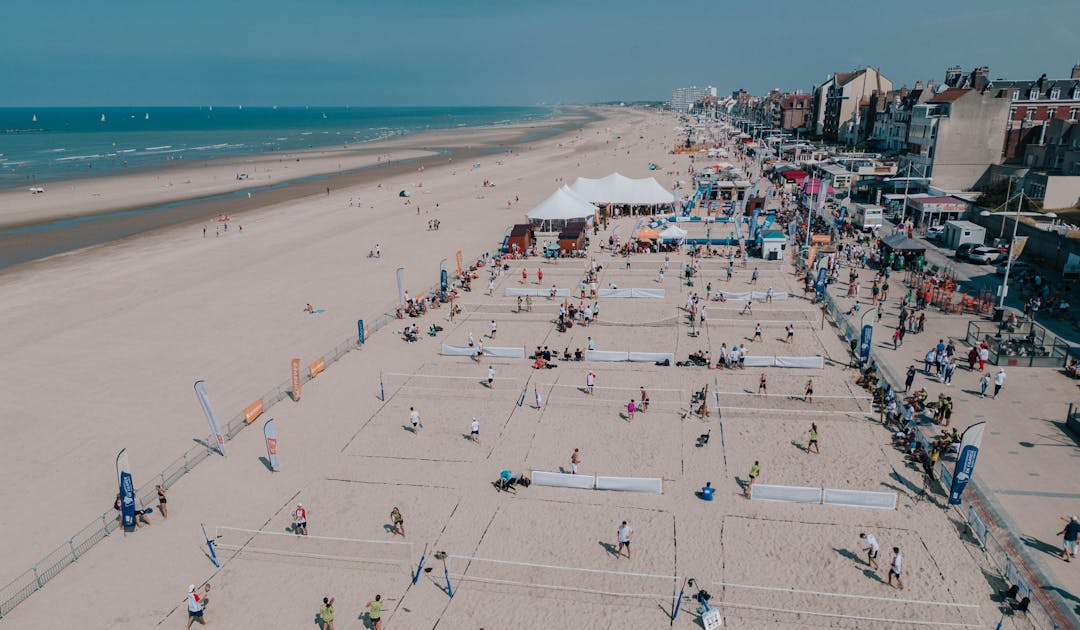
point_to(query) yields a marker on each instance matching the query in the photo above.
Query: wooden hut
(521, 235)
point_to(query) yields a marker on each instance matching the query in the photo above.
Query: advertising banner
(296, 384)
(360, 330)
(252, 411)
(400, 284)
(270, 433)
(317, 367)
(204, 401)
(458, 257)
(127, 489)
(965, 462)
(864, 343)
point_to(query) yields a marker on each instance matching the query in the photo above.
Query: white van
(867, 216)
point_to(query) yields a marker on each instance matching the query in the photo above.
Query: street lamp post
(1004, 290)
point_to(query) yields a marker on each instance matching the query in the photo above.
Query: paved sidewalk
(1029, 463)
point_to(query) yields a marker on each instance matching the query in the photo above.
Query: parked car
(935, 232)
(965, 249)
(1018, 267)
(984, 255)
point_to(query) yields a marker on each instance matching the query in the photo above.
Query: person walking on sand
(575, 459)
(623, 534)
(491, 377)
(491, 290)
(813, 439)
(494, 329)
(630, 409)
(374, 608)
(999, 381)
(763, 385)
(644, 399)
(299, 516)
(194, 607)
(397, 521)
(470, 339)
(872, 550)
(590, 381)
(539, 276)
(326, 614)
(910, 379)
(414, 419)
(809, 395)
(984, 382)
(1069, 535)
(757, 334)
(162, 501)
(790, 333)
(474, 431)
(755, 470)
(894, 568)
(753, 276)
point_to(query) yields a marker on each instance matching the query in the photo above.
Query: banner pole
(677, 604)
(420, 567)
(210, 546)
(382, 390)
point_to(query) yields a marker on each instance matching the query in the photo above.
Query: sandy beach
(103, 346)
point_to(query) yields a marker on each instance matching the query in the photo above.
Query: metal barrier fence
(1012, 562)
(26, 584)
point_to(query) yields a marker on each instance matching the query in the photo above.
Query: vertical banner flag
(204, 400)
(754, 223)
(1017, 247)
(965, 462)
(459, 269)
(443, 284)
(360, 330)
(127, 489)
(822, 277)
(296, 384)
(400, 285)
(270, 433)
(864, 343)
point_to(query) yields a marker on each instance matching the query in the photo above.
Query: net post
(210, 547)
(420, 566)
(446, 575)
(677, 604)
(382, 390)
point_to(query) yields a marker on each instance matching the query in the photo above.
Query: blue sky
(473, 52)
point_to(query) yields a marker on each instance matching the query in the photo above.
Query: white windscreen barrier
(760, 361)
(753, 295)
(561, 480)
(791, 494)
(615, 293)
(519, 292)
(777, 295)
(465, 351)
(731, 295)
(631, 484)
(657, 294)
(652, 357)
(800, 362)
(860, 498)
(606, 355)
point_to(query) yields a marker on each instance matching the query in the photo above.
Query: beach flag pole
(521, 399)
(210, 546)
(420, 567)
(441, 555)
(720, 419)
(382, 390)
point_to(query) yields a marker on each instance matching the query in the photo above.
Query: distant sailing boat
(211, 108)
(103, 118)
(147, 116)
(324, 115)
(34, 118)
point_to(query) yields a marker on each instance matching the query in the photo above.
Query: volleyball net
(236, 542)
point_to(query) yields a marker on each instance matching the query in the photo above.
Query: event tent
(647, 234)
(558, 209)
(621, 190)
(673, 232)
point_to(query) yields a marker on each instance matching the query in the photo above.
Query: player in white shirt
(474, 431)
(414, 418)
(872, 550)
(894, 568)
(624, 533)
(300, 520)
(491, 377)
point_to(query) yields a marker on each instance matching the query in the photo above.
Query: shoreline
(26, 242)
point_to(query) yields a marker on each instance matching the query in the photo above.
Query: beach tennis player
(755, 470)
(623, 534)
(299, 516)
(474, 431)
(894, 568)
(871, 551)
(575, 459)
(397, 521)
(194, 607)
(414, 419)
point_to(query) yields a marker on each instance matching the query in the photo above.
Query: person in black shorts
(162, 501)
(791, 333)
(809, 396)
(763, 385)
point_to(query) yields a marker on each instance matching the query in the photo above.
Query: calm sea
(38, 145)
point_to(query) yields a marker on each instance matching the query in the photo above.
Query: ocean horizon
(43, 144)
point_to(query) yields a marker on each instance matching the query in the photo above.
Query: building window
(1073, 112)
(1034, 94)
(1051, 113)
(1016, 95)
(1012, 113)
(1031, 114)
(1055, 94)
(1076, 93)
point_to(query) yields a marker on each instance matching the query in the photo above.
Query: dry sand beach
(102, 347)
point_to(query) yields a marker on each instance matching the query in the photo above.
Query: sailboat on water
(34, 119)
(103, 118)
(147, 116)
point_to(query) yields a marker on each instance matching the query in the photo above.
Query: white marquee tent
(674, 233)
(621, 190)
(562, 206)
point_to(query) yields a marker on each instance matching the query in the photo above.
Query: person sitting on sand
(309, 308)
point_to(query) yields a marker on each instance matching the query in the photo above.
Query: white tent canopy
(562, 205)
(673, 232)
(619, 189)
